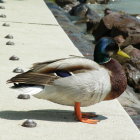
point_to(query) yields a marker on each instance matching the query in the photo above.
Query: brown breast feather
(118, 79)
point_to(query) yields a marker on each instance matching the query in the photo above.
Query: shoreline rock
(85, 46)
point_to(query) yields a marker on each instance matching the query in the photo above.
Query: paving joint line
(31, 23)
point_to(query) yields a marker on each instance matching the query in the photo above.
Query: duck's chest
(118, 79)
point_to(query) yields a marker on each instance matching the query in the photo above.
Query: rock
(135, 56)
(9, 36)
(78, 38)
(2, 1)
(10, 43)
(63, 3)
(29, 123)
(18, 70)
(13, 57)
(115, 24)
(94, 1)
(6, 24)
(23, 96)
(93, 20)
(138, 16)
(132, 67)
(91, 1)
(79, 10)
(102, 1)
(3, 16)
(87, 15)
(136, 119)
(133, 76)
(131, 111)
(130, 99)
(2, 7)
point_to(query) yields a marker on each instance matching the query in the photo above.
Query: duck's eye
(113, 47)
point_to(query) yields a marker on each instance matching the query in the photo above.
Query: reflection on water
(129, 6)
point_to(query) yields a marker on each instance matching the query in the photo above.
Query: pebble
(14, 58)
(6, 24)
(23, 96)
(3, 16)
(2, 7)
(2, 1)
(29, 123)
(9, 36)
(10, 43)
(18, 70)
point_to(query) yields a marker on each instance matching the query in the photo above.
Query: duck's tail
(129, 98)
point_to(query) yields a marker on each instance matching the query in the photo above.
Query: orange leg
(83, 118)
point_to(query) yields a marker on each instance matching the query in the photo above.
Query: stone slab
(35, 43)
(27, 11)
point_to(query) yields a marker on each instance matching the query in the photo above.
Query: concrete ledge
(28, 11)
(35, 43)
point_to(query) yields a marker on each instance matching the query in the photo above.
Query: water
(128, 6)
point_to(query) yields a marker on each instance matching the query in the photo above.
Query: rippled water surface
(129, 6)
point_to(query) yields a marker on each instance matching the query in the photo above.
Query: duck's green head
(105, 48)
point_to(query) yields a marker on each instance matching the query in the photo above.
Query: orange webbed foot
(90, 121)
(84, 117)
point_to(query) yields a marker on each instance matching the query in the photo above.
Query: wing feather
(44, 73)
(67, 64)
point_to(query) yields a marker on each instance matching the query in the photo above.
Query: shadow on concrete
(48, 115)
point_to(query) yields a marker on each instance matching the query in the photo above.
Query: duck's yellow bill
(121, 53)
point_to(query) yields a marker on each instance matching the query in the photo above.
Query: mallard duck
(77, 81)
